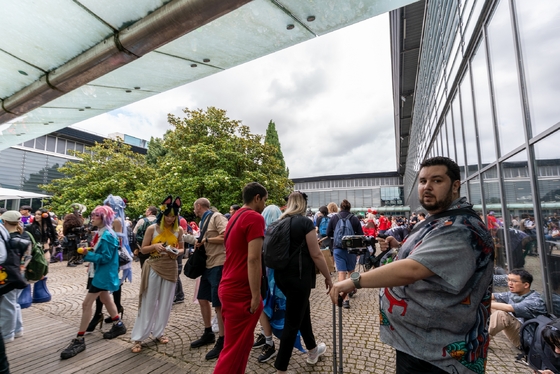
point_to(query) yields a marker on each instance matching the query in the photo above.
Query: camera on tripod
(358, 244)
(77, 234)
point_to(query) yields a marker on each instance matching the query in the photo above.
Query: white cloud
(330, 98)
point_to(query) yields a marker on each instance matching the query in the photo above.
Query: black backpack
(276, 246)
(142, 231)
(536, 352)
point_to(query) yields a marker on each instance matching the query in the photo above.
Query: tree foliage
(112, 169)
(206, 154)
(210, 155)
(156, 150)
(271, 138)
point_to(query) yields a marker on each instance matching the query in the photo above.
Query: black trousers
(4, 365)
(407, 364)
(179, 294)
(297, 318)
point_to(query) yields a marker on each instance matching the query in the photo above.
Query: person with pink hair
(105, 258)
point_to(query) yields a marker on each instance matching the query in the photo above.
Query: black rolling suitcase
(334, 307)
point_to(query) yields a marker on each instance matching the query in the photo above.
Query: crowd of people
(440, 272)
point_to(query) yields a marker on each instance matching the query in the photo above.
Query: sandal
(163, 340)
(137, 347)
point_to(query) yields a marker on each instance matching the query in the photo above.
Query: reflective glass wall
(497, 64)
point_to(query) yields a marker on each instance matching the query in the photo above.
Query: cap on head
(11, 216)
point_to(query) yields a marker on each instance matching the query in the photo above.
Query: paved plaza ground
(49, 327)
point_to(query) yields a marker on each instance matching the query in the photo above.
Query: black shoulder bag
(196, 264)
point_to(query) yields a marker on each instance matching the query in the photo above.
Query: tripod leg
(340, 366)
(334, 337)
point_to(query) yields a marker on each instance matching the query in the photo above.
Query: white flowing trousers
(154, 313)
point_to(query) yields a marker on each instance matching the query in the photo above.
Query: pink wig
(107, 215)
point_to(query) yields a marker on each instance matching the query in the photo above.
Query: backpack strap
(205, 227)
(446, 213)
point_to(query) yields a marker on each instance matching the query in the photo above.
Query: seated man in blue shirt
(511, 309)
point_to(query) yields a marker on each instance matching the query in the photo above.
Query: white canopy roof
(7, 193)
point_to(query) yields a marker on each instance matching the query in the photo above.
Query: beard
(438, 205)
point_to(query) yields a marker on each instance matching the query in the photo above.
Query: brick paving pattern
(49, 327)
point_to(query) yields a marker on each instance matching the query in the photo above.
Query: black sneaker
(78, 345)
(346, 304)
(261, 340)
(351, 294)
(215, 352)
(116, 330)
(178, 301)
(205, 339)
(268, 352)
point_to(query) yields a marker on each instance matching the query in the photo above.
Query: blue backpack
(343, 228)
(324, 225)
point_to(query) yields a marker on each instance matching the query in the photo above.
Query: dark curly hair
(71, 221)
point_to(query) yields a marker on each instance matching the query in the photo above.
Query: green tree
(112, 168)
(272, 139)
(210, 155)
(155, 151)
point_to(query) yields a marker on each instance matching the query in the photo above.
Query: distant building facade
(383, 191)
(35, 162)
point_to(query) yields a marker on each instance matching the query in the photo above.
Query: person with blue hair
(270, 214)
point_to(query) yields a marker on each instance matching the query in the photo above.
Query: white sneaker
(215, 327)
(314, 354)
(18, 334)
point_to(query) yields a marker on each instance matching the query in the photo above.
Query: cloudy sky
(330, 98)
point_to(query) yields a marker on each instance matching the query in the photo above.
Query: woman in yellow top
(163, 241)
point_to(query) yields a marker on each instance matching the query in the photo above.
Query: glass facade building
(383, 191)
(36, 161)
(485, 96)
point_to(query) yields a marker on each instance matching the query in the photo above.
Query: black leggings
(297, 318)
(4, 365)
(116, 298)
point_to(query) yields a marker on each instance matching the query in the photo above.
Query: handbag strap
(205, 227)
(239, 213)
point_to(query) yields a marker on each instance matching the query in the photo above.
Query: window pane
(34, 172)
(11, 160)
(70, 147)
(547, 165)
(505, 79)
(468, 123)
(29, 143)
(60, 146)
(483, 106)
(475, 197)
(459, 136)
(51, 143)
(539, 29)
(40, 143)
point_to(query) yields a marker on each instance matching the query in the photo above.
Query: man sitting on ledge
(510, 309)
